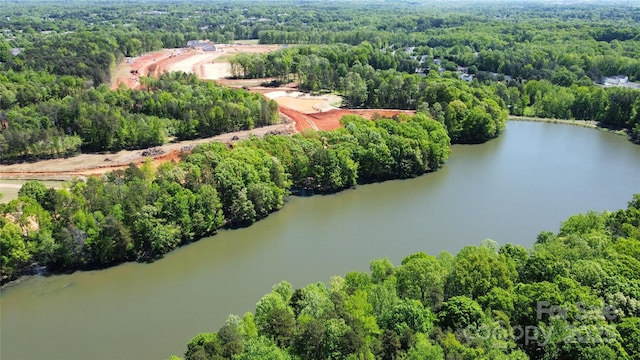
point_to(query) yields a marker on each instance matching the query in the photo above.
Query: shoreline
(72, 173)
(590, 124)
(4, 284)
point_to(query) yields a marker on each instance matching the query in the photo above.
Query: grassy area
(9, 188)
(224, 58)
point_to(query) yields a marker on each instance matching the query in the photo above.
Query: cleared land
(330, 119)
(299, 111)
(196, 61)
(94, 164)
(129, 71)
(304, 102)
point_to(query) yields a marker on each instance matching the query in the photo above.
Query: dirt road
(205, 64)
(299, 111)
(92, 164)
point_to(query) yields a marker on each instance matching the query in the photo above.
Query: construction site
(299, 111)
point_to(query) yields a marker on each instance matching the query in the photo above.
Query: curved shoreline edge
(586, 124)
(590, 124)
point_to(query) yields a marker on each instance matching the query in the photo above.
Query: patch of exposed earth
(84, 165)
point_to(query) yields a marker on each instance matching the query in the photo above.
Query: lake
(529, 180)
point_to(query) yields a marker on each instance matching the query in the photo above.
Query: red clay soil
(330, 120)
(165, 63)
(141, 64)
(303, 121)
(175, 156)
(156, 63)
(153, 64)
(369, 114)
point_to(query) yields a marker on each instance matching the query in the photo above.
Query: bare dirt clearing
(93, 164)
(197, 61)
(298, 110)
(330, 120)
(320, 112)
(305, 103)
(129, 71)
(300, 107)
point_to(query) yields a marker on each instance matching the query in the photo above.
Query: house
(466, 77)
(615, 80)
(619, 80)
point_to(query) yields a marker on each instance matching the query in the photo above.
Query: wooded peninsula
(461, 69)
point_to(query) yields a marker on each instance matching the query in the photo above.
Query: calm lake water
(529, 180)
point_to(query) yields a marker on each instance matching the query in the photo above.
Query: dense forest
(463, 67)
(376, 78)
(573, 295)
(54, 58)
(371, 78)
(51, 116)
(142, 213)
(55, 61)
